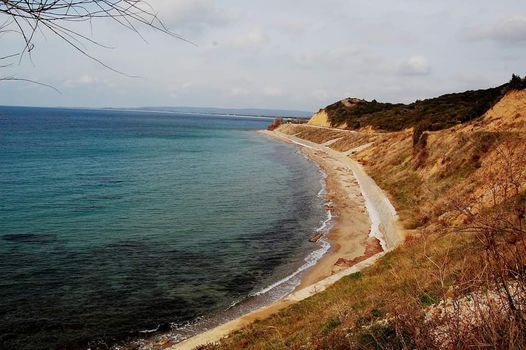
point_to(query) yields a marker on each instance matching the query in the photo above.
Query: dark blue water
(113, 222)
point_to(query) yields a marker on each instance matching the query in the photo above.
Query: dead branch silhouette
(58, 17)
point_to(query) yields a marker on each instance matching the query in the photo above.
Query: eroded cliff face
(320, 119)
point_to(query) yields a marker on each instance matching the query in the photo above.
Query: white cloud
(273, 91)
(85, 80)
(179, 89)
(253, 40)
(190, 15)
(415, 65)
(340, 58)
(294, 27)
(297, 54)
(238, 91)
(508, 30)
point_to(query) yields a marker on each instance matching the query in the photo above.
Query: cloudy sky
(298, 54)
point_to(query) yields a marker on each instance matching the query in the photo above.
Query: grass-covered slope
(459, 281)
(432, 114)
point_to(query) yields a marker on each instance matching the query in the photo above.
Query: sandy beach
(349, 237)
(365, 228)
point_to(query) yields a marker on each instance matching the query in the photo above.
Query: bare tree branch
(29, 81)
(59, 17)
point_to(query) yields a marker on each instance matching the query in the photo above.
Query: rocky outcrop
(320, 119)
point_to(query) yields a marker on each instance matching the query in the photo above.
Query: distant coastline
(210, 111)
(238, 112)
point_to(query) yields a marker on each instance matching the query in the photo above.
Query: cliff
(455, 283)
(322, 117)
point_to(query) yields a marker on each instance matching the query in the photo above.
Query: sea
(116, 225)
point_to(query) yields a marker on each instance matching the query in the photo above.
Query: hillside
(508, 115)
(459, 281)
(431, 114)
(323, 117)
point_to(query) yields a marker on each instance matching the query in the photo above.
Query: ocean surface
(117, 222)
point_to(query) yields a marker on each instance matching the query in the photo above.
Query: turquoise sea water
(113, 222)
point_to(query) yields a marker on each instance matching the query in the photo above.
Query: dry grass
(346, 140)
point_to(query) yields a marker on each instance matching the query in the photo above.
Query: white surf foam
(314, 256)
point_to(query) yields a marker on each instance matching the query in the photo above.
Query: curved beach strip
(383, 215)
(383, 226)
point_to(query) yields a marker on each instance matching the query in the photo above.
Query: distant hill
(429, 114)
(257, 112)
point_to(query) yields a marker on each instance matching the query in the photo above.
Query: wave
(314, 256)
(310, 260)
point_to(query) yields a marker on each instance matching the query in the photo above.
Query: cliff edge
(323, 119)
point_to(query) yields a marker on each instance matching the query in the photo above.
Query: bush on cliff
(438, 113)
(517, 83)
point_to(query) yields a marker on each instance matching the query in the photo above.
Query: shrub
(275, 124)
(331, 325)
(436, 113)
(517, 83)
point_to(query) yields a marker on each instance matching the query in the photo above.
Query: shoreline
(349, 236)
(365, 229)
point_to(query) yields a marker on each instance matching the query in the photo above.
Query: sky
(278, 54)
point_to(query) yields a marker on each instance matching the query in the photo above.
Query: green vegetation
(430, 114)
(332, 324)
(517, 83)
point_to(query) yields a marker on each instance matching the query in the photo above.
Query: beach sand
(366, 227)
(350, 234)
